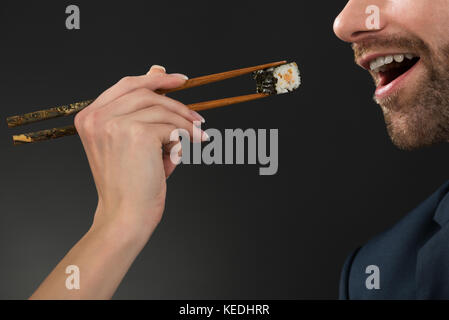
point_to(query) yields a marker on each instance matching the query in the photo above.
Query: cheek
(427, 19)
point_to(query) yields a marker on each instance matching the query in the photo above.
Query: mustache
(408, 44)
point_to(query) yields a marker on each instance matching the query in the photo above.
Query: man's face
(407, 55)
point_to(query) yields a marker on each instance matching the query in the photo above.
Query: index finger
(152, 81)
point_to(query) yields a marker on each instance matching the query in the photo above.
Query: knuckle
(158, 109)
(111, 127)
(89, 123)
(126, 81)
(136, 130)
(156, 76)
(78, 121)
(144, 92)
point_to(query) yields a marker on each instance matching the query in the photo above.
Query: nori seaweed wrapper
(265, 81)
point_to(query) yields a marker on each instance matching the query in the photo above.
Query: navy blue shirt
(411, 260)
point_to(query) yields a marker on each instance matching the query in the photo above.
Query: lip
(384, 91)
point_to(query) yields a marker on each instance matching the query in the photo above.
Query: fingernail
(183, 76)
(158, 66)
(205, 137)
(197, 116)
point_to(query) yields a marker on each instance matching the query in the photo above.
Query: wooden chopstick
(43, 135)
(226, 101)
(196, 82)
(71, 130)
(70, 109)
(51, 113)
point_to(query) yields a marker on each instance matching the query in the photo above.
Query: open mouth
(390, 71)
(391, 67)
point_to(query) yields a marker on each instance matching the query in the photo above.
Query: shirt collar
(442, 212)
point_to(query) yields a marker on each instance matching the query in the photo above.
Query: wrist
(123, 225)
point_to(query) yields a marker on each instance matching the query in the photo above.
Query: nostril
(363, 34)
(357, 34)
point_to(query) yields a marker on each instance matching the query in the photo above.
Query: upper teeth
(377, 64)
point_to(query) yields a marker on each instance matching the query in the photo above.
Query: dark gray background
(227, 232)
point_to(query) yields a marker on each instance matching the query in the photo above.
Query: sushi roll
(282, 79)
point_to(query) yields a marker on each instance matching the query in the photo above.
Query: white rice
(288, 77)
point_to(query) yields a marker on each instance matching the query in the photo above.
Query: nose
(359, 18)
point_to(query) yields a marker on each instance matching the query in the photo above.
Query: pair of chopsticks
(67, 110)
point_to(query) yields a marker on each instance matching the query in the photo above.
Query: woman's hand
(126, 135)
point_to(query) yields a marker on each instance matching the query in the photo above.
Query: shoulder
(393, 254)
(344, 277)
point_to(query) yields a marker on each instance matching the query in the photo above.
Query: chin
(413, 129)
(417, 116)
(407, 143)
